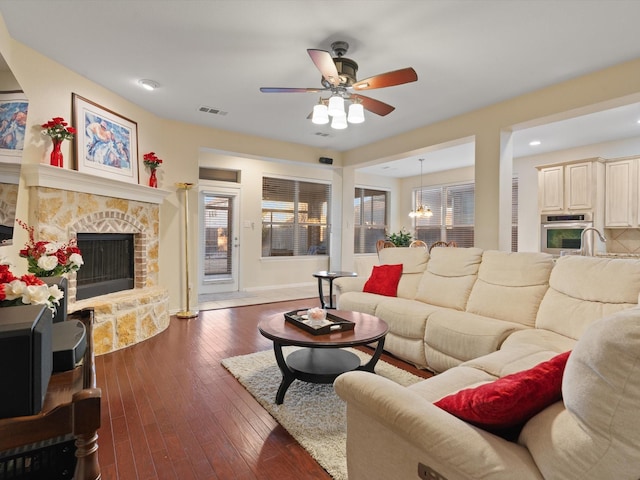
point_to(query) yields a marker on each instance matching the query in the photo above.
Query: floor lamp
(186, 313)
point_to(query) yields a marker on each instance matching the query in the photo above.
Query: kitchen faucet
(583, 250)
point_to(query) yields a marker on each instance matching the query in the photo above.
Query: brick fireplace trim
(114, 222)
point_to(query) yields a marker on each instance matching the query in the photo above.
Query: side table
(330, 277)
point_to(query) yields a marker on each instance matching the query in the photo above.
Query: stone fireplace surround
(63, 203)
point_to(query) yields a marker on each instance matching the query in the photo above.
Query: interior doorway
(219, 241)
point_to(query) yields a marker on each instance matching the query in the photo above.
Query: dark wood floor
(171, 411)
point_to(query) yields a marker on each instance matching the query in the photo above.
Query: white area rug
(312, 413)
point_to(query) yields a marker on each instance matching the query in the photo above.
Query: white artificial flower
(38, 294)
(76, 260)
(48, 262)
(55, 294)
(51, 248)
(14, 289)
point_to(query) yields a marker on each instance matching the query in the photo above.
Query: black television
(26, 359)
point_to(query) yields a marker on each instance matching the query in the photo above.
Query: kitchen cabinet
(621, 193)
(570, 187)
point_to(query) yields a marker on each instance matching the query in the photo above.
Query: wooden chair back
(451, 244)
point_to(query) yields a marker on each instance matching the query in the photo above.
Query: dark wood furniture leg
(287, 374)
(321, 293)
(370, 365)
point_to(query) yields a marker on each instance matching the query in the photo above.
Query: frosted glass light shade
(356, 113)
(339, 122)
(336, 106)
(320, 114)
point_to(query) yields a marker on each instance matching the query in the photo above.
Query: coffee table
(322, 359)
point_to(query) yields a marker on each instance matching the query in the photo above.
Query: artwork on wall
(13, 120)
(106, 142)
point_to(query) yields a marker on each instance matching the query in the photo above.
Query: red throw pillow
(511, 400)
(384, 280)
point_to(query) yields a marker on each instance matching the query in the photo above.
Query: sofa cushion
(510, 286)
(384, 280)
(539, 339)
(597, 435)
(452, 337)
(571, 303)
(510, 401)
(359, 302)
(450, 275)
(413, 260)
(511, 360)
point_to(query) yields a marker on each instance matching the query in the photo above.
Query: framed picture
(13, 120)
(106, 143)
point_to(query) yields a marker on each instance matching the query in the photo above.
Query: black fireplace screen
(108, 264)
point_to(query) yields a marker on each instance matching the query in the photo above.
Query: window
(294, 217)
(370, 219)
(453, 210)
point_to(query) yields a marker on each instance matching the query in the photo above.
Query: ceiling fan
(339, 78)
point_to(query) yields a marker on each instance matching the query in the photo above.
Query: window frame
(295, 213)
(360, 246)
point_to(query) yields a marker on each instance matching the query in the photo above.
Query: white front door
(219, 240)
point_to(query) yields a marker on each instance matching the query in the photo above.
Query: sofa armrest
(409, 430)
(349, 284)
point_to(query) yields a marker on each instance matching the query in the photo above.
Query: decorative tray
(331, 324)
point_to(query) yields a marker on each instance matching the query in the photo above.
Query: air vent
(321, 134)
(211, 110)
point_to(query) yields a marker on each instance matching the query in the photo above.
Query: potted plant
(400, 239)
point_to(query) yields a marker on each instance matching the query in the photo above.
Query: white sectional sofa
(474, 317)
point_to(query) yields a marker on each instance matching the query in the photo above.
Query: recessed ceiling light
(148, 84)
(534, 143)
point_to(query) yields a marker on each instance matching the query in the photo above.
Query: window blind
(453, 217)
(370, 218)
(453, 210)
(295, 217)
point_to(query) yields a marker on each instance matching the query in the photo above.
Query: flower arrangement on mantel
(26, 290)
(50, 259)
(58, 130)
(152, 161)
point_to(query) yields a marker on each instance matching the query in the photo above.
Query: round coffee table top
(367, 329)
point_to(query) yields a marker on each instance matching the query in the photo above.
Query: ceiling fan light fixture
(320, 114)
(356, 113)
(339, 122)
(336, 106)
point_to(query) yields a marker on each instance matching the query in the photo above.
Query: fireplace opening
(108, 264)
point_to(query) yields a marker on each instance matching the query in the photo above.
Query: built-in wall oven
(563, 231)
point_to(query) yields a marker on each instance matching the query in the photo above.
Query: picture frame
(106, 143)
(14, 108)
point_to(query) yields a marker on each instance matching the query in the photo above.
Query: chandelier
(421, 211)
(334, 107)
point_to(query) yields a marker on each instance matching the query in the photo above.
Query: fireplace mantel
(41, 175)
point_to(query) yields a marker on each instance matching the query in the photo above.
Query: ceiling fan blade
(375, 106)
(324, 62)
(389, 79)
(290, 90)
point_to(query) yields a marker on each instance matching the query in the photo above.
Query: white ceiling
(218, 53)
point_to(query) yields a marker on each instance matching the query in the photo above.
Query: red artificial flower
(57, 129)
(151, 160)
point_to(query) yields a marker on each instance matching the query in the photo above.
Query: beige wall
(49, 86)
